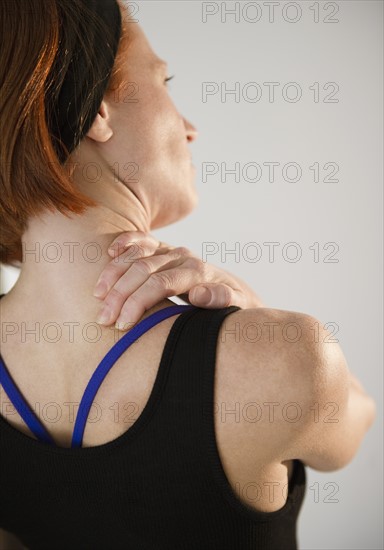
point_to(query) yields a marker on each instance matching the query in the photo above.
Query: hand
(143, 272)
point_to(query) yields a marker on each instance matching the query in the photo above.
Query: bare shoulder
(268, 366)
(262, 341)
(295, 394)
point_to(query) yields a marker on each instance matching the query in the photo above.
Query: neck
(63, 258)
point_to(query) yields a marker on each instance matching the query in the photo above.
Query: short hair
(32, 178)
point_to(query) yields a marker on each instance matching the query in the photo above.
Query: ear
(101, 130)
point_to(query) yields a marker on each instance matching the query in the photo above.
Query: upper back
(53, 373)
(261, 368)
(250, 351)
(164, 469)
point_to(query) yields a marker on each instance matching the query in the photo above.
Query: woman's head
(137, 139)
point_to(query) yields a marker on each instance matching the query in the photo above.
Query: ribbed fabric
(158, 486)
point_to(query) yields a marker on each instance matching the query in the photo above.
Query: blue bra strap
(108, 361)
(24, 410)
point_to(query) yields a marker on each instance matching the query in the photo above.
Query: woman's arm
(143, 272)
(330, 441)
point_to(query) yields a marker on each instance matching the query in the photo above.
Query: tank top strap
(110, 359)
(25, 411)
(30, 417)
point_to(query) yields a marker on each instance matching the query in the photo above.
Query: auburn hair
(32, 178)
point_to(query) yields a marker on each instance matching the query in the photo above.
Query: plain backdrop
(323, 130)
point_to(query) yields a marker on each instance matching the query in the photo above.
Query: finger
(116, 268)
(157, 287)
(211, 295)
(161, 285)
(119, 265)
(142, 300)
(139, 272)
(162, 247)
(178, 277)
(123, 241)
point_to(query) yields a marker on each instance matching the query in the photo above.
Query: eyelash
(169, 78)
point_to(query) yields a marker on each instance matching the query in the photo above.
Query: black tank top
(158, 486)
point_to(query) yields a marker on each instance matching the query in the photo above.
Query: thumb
(200, 295)
(214, 296)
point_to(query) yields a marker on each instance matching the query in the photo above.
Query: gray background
(347, 513)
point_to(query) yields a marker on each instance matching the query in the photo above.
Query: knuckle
(133, 299)
(114, 296)
(162, 281)
(182, 251)
(142, 266)
(198, 265)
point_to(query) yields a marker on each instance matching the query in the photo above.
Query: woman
(180, 429)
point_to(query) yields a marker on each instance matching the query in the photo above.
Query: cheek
(151, 131)
(159, 116)
(160, 137)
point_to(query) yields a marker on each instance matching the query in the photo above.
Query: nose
(191, 131)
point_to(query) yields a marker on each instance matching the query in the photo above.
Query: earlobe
(101, 130)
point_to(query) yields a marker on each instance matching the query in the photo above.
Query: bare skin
(130, 381)
(247, 371)
(154, 135)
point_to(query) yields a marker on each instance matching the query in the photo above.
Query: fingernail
(103, 316)
(122, 325)
(100, 289)
(202, 294)
(115, 247)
